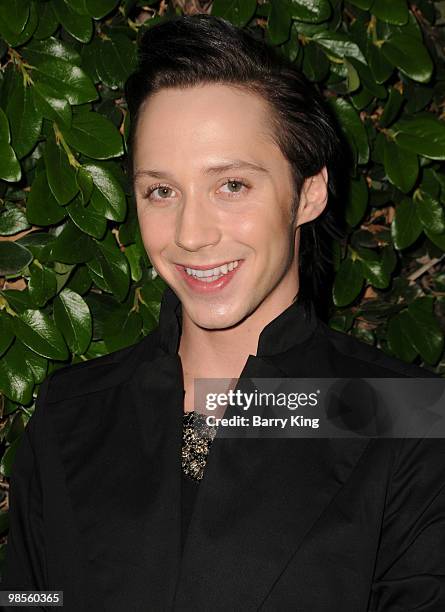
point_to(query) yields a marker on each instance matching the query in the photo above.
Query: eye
(235, 187)
(162, 189)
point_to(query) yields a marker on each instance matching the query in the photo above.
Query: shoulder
(349, 354)
(99, 373)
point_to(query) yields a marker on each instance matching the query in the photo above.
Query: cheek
(267, 230)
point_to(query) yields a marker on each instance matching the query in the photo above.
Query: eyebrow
(236, 164)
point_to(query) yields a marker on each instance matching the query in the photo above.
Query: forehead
(203, 120)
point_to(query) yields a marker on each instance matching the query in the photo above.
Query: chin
(217, 320)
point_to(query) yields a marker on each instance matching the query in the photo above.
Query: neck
(222, 353)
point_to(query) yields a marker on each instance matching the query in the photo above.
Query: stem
(61, 140)
(22, 66)
(137, 299)
(5, 306)
(372, 28)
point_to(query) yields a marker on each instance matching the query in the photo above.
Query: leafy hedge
(75, 281)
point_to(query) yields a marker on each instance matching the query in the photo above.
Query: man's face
(199, 215)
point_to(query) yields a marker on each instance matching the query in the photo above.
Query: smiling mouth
(208, 279)
(209, 274)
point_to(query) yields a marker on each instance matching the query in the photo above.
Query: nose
(196, 225)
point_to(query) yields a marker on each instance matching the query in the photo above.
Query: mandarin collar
(291, 327)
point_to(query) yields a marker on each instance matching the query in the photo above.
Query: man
(226, 182)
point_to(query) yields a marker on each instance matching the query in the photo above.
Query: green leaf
(18, 300)
(79, 26)
(357, 202)
(395, 11)
(80, 280)
(42, 285)
(47, 22)
(80, 6)
(9, 166)
(50, 104)
(411, 28)
(353, 79)
(91, 58)
(363, 4)
(62, 76)
(38, 332)
(409, 55)
(94, 135)
(367, 78)
(429, 211)
(16, 382)
(72, 246)
(73, 318)
(63, 272)
(423, 330)
(374, 268)
(392, 107)
(15, 39)
(398, 339)
(352, 127)
(406, 226)
(362, 98)
(279, 22)
(36, 364)
(39, 51)
(13, 258)
(122, 329)
(60, 173)
(107, 196)
(348, 282)
(380, 67)
(152, 292)
(389, 259)
(100, 8)
(16, 14)
(339, 44)
(7, 460)
(6, 333)
(423, 134)
(116, 60)
(238, 12)
(437, 239)
(5, 135)
(87, 218)
(312, 11)
(85, 184)
(401, 166)
(315, 63)
(12, 220)
(41, 207)
(417, 96)
(24, 120)
(111, 265)
(133, 255)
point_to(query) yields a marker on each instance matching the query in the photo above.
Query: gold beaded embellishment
(197, 438)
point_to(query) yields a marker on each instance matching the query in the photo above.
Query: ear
(313, 198)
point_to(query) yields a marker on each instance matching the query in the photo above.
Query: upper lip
(194, 267)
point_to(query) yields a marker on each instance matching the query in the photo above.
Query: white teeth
(213, 274)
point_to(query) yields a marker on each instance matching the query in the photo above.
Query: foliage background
(75, 281)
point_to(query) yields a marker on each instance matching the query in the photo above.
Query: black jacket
(309, 525)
